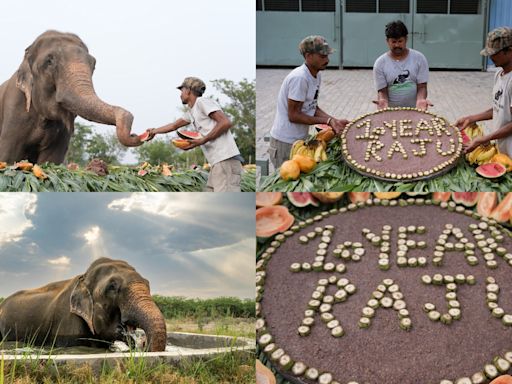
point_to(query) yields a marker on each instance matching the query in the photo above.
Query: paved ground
(349, 93)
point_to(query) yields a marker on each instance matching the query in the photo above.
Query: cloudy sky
(185, 244)
(143, 49)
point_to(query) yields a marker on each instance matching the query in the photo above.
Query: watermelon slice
(441, 196)
(144, 136)
(491, 170)
(468, 199)
(302, 199)
(189, 135)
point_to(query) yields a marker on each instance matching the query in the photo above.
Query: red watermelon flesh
(491, 170)
(144, 136)
(189, 135)
(468, 199)
(302, 199)
(465, 138)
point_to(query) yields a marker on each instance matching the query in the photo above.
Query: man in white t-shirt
(297, 102)
(401, 74)
(217, 142)
(499, 48)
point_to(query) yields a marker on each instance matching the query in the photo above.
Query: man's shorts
(278, 152)
(225, 176)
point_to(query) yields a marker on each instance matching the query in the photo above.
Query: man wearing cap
(217, 142)
(297, 102)
(401, 74)
(499, 48)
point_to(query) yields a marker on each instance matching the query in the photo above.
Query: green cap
(315, 44)
(194, 84)
(497, 39)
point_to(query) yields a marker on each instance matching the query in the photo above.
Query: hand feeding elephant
(39, 103)
(104, 302)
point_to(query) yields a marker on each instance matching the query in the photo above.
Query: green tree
(157, 151)
(76, 151)
(105, 147)
(242, 110)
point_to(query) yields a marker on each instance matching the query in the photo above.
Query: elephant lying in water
(39, 103)
(107, 300)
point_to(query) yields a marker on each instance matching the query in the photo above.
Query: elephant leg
(11, 150)
(55, 150)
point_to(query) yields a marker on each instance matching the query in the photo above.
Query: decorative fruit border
(436, 171)
(300, 373)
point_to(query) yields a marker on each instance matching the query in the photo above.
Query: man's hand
(463, 122)
(475, 143)
(423, 104)
(338, 125)
(151, 134)
(381, 103)
(194, 143)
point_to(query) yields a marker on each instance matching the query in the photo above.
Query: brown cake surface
(384, 353)
(401, 144)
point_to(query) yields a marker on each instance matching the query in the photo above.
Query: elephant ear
(81, 302)
(25, 79)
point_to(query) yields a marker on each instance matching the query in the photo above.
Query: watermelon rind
(189, 135)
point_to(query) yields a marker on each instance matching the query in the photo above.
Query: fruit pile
(305, 154)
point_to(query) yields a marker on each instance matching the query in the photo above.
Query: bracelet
(329, 120)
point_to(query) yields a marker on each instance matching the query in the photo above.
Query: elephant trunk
(142, 310)
(76, 94)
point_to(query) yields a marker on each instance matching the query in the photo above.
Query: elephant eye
(50, 60)
(111, 287)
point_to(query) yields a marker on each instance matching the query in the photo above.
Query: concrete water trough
(180, 345)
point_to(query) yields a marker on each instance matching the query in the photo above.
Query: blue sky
(185, 244)
(143, 49)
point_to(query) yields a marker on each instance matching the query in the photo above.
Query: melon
(189, 135)
(468, 199)
(356, 197)
(267, 199)
(272, 220)
(491, 170)
(180, 143)
(502, 212)
(386, 195)
(327, 197)
(144, 136)
(441, 196)
(486, 203)
(302, 199)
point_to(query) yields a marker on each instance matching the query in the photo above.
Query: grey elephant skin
(109, 298)
(39, 103)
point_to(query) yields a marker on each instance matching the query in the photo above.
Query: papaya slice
(486, 203)
(180, 143)
(328, 197)
(24, 165)
(267, 199)
(502, 212)
(39, 173)
(386, 195)
(272, 220)
(265, 375)
(356, 197)
(505, 379)
(441, 196)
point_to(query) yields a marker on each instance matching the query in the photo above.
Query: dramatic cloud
(14, 211)
(92, 235)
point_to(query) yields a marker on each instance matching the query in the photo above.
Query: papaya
(272, 220)
(24, 165)
(356, 197)
(265, 375)
(441, 196)
(38, 172)
(166, 170)
(486, 203)
(180, 143)
(502, 159)
(306, 163)
(327, 197)
(502, 212)
(325, 133)
(290, 170)
(386, 195)
(3, 165)
(504, 379)
(267, 199)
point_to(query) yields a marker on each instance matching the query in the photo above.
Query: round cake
(401, 144)
(391, 291)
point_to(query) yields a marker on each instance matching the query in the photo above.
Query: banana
(486, 154)
(295, 146)
(318, 153)
(323, 155)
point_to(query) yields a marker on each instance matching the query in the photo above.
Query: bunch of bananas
(314, 149)
(474, 130)
(482, 154)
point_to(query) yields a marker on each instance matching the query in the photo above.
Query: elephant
(101, 305)
(39, 103)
